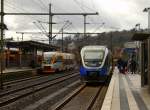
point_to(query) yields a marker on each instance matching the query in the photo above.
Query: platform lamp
(148, 10)
(137, 27)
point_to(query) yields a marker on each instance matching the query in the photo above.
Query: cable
(67, 23)
(91, 19)
(17, 8)
(92, 3)
(98, 27)
(12, 5)
(43, 3)
(43, 28)
(73, 26)
(79, 5)
(40, 4)
(20, 9)
(40, 28)
(83, 5)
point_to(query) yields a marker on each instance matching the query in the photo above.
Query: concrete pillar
(8, 56)
(148, 20)
(4, 59)
(148, 65)
(20, 57)
(142, 64)
(140, 57)
(42, 56)
(34, 56)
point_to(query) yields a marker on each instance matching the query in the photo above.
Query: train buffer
(125, 93)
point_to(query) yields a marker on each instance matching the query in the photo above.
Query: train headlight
(86, 62)
(99, 62)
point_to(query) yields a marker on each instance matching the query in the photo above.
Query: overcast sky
(117, 15)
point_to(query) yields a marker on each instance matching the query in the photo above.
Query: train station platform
(17, 73)
(17, 69)
(125, 93)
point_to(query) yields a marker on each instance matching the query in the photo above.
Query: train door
(59, 63)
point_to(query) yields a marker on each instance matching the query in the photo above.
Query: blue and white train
(96, 64)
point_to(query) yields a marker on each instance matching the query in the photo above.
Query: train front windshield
(47, 59)
(93, 58)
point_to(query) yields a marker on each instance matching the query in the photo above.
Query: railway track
(14, 85)
(20, 80)
(84, 98)
(9, 83)
(9, 97)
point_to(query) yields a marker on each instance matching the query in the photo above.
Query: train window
(59, 59)
(97, 55)
(93, 58)
(47, 60)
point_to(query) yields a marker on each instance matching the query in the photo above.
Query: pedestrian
(133, 66)
(129, 65)
(124, 67)
(119, 64)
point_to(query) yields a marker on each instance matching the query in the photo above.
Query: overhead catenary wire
(33, 17)
(91, 18)
(40, 28)
(44, 30)
(62, 9)
(82, 5)
(17, 8)
(67, 23)
(42, 6)
(100, 26)
(79, 5)
(93, 4)
(73, 26)
(82, 8)
(20, 9)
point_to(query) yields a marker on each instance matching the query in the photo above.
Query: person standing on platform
(120, 63)
(133, 66)
(124, 67)
(129, 65)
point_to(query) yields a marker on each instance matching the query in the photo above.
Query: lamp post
(137, 27)
(144, 75)
(2, 26)
(148, 10)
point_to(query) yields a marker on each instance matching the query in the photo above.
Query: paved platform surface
(125, 93)
(17, 69)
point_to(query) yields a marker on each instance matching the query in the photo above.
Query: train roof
(57, 52)
(95, 47)
(50, 52)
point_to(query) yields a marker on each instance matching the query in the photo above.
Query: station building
(25, 53)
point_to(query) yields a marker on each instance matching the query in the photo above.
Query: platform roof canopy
(140, 36)
(31, 45)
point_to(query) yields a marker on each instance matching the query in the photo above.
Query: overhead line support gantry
(54, 14)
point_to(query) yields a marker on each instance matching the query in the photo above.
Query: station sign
(131, 44)
(130, 50)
